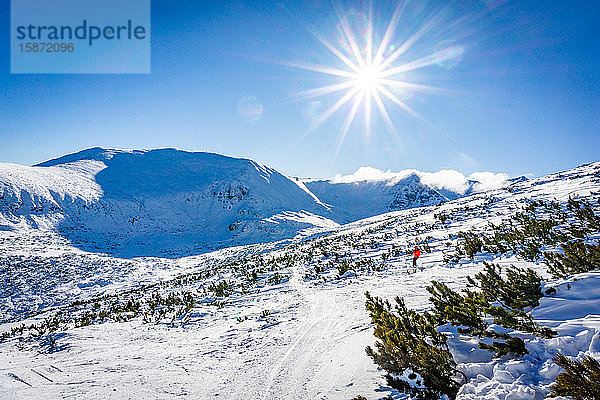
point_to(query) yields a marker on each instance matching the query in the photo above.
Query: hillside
(173, 203)
(369, 191)
(277, 320)
(357, 200)
(158, 202)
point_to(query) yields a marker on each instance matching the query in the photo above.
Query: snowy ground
(311, 343)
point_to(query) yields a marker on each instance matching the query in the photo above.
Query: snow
(171, 203)
(444, 180)
(311, 343)
(574, 313)
(163, 202)
(358, 200)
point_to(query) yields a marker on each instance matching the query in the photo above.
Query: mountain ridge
(173, 202)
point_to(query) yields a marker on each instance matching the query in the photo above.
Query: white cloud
(370, 174)
(487, 180)
(446, 179)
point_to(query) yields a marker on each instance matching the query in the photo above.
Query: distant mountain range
(351, 201)
(172, 203)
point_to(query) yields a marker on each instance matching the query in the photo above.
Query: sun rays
(372, 73)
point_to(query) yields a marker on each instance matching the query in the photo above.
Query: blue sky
(521, 95)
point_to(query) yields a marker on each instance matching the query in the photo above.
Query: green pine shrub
(489, 294)
(450, 306)
(409, 342)
(528, 231)
(580, 379)
(275, 279)
(221, 289)
(343, 267)
(518, 320)
(520, 289)
(577, 258)
(585, 214)
(512, 345)
(472, 244)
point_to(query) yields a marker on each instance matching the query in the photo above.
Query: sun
(373, 73)
(368, 79)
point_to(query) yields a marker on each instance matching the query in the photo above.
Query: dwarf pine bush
(221, 289)
(577, 258)
(518, 320)
(409, 342)
(522, 288)
(275, 279)
(512, 345)
(584, 213)
(471, 244)
(343, 267)
(525, 233)
(580, 379)
(450, 306)
(489, 294)
(538, 225)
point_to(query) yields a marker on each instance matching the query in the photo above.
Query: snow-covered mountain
(369, 191)
(171, 202)
(137, 202)
(351, 201)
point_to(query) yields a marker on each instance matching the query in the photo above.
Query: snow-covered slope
(156, 202)
(369, 191)
(169, 202)
(351, 201)
(290, 328)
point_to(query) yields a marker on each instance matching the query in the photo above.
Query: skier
(416, 254)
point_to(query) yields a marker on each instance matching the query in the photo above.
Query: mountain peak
(157, 200)
(104, 154)
(450, 182)
(173, 199)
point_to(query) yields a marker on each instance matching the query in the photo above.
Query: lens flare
(375, 72)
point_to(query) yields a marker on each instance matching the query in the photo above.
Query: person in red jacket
(416, 254)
